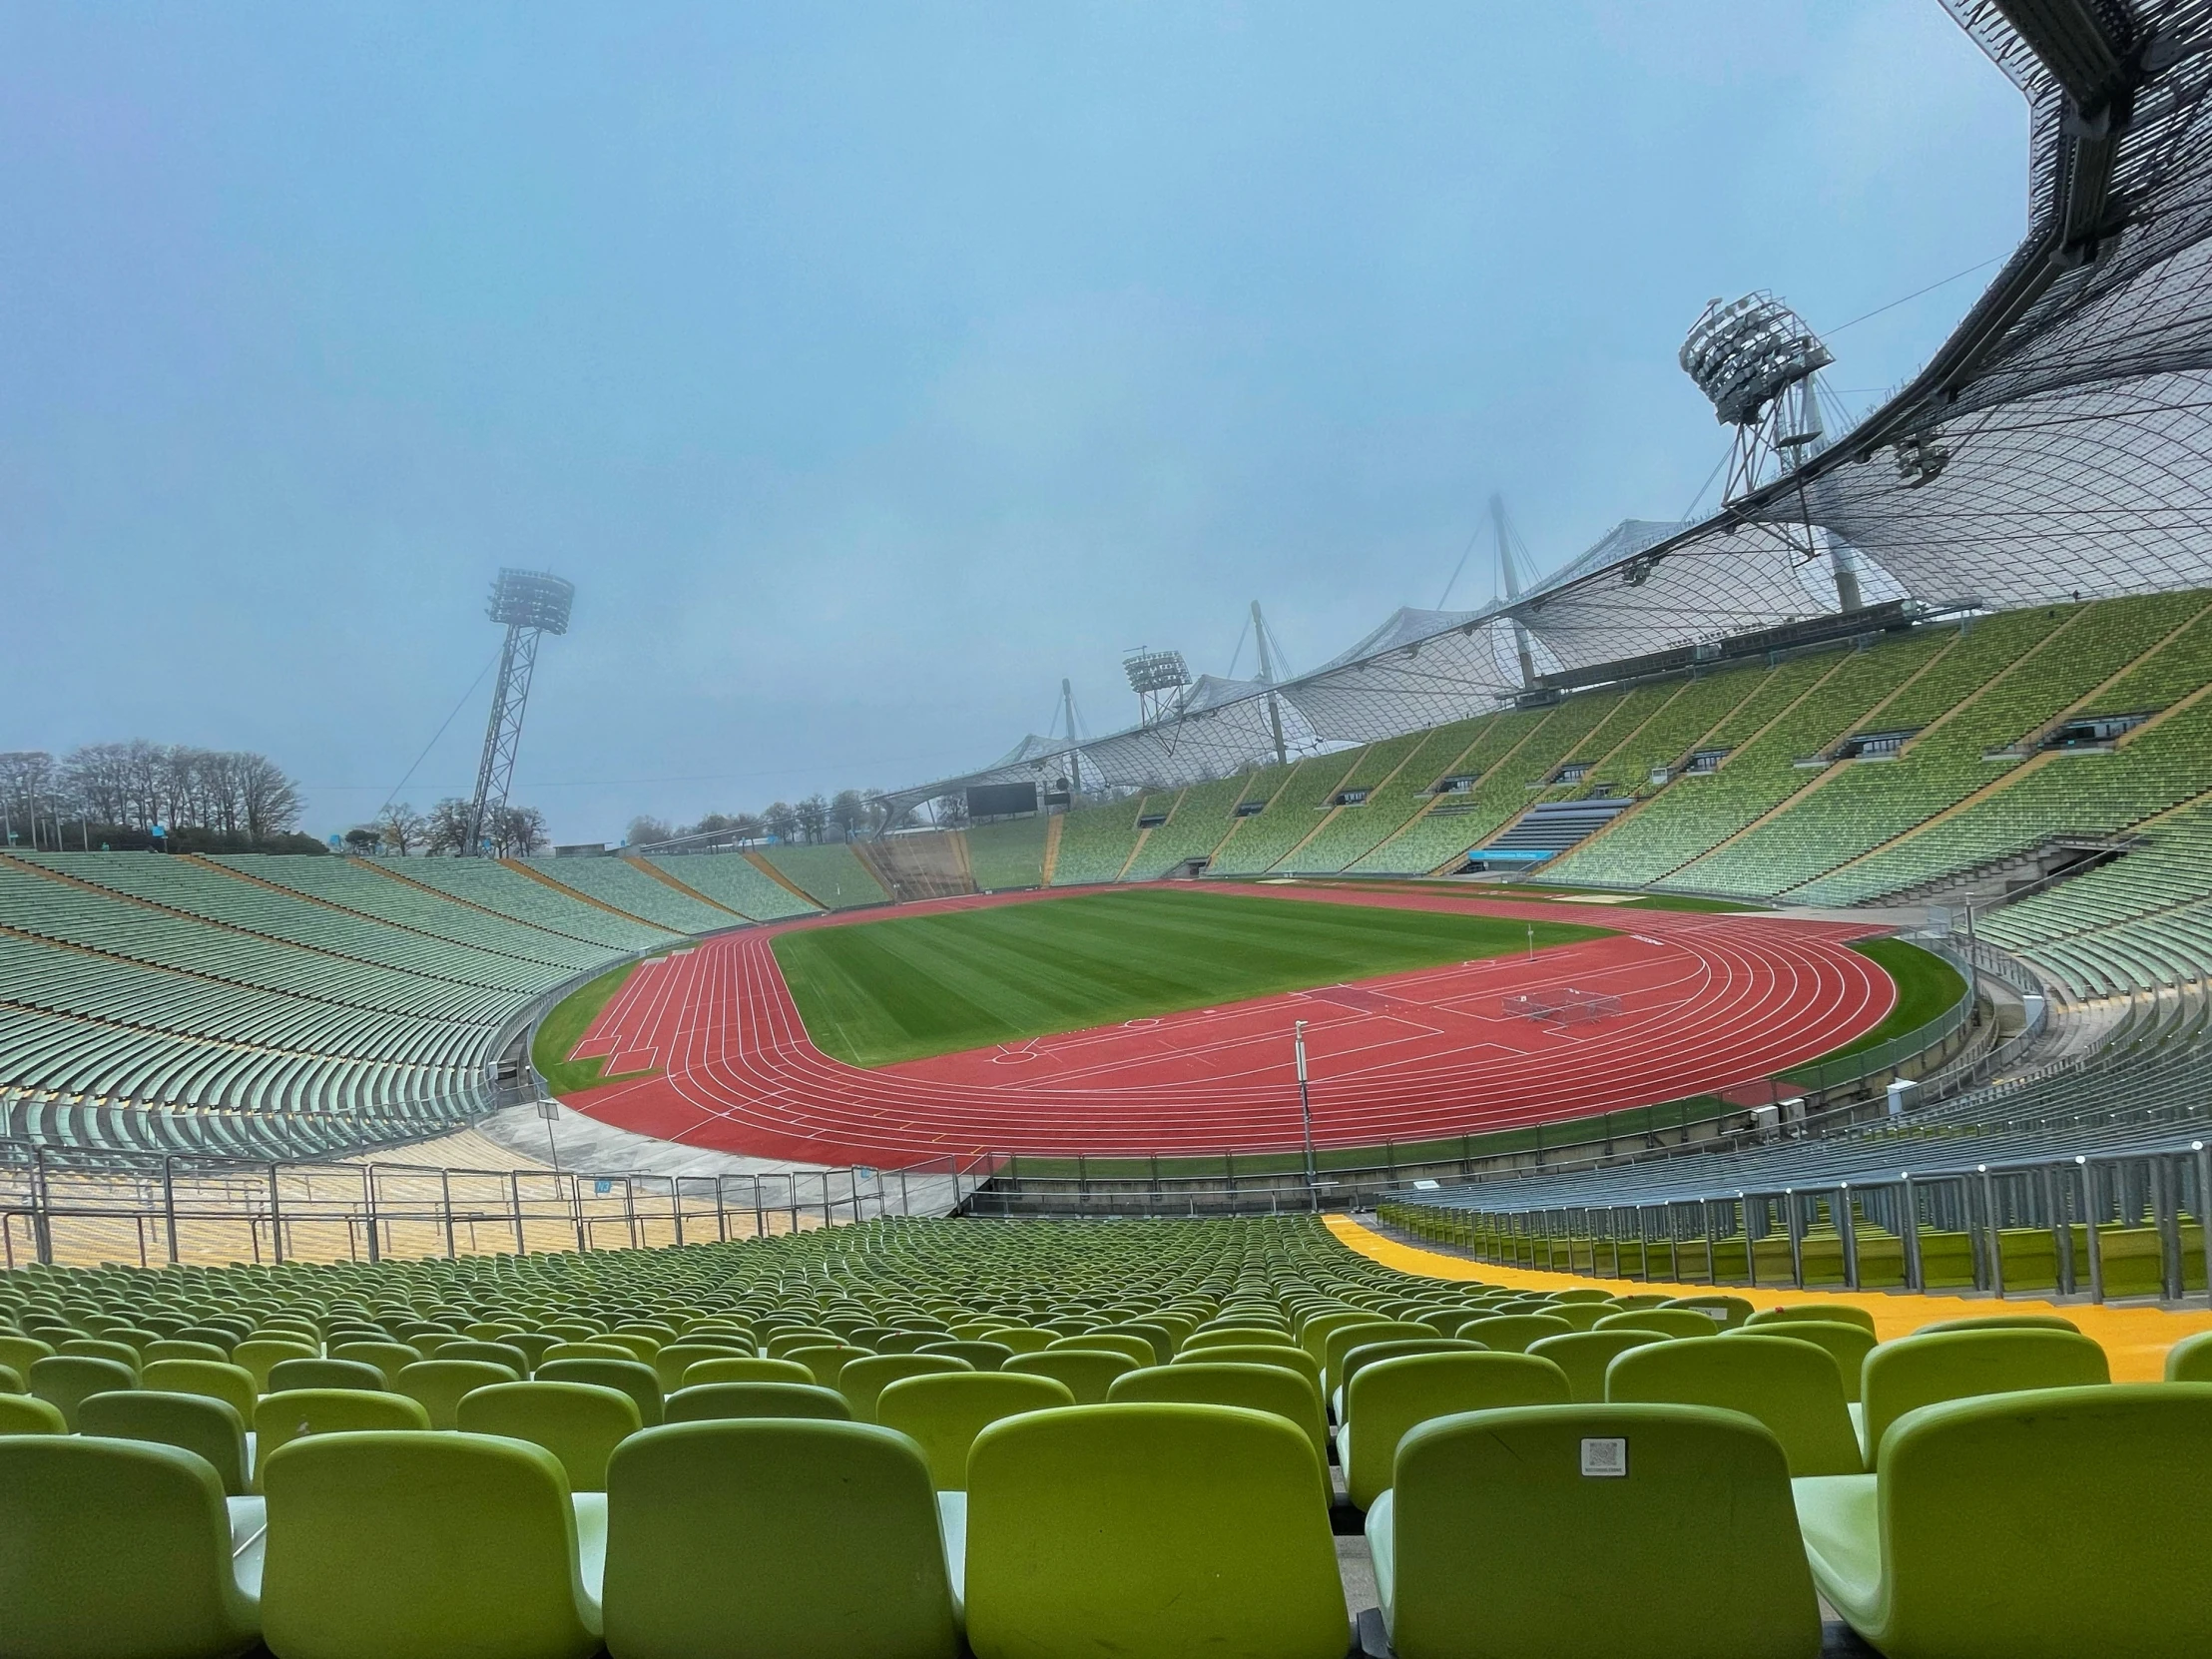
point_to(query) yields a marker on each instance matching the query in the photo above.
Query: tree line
(443, 832)
(840, 818)
(115, 794)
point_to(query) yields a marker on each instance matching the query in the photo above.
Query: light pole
(1305, 1111)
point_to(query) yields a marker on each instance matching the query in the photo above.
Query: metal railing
(2104, 1227)
(84, 1207)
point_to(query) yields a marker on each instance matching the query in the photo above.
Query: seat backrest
(1088, 1372)
(740, 1370)
(1346, 1337)
(1999, 1322)
(66, 1381)
(388, 1357)
(1700, 1500)
(114, 1546)
(1584, 1354)
(943, 1413)
(1790, 1386)
(1923, 1369)
(1667, 1321)
(1154, 1529)
(982, 1356)
(19, 1354)
(397, 1542)
(1367, 1353)
(1263, 1354)
(709, 1401)
(175, 1348)
(776, 1536)
(671, 1362)
(1139, 1350)
(1274, 1389)
(581, 1423)
(2190, 1360)
(99, 1348)
(438, 1384)
(282, 1419)
(1847, 1344)
(1726, 1311)
(287, 1375)
(862, 1379)
(1511, 1333)
(1019, 1338)
(1238, 1336)
(825, 1360)
(195, 1422)
(632, 1377)
(217, 1378)
(1826, 1312)
(498, 1353)
(2050, 1522)
(592, 1349)
(1388, 1398)
(258, 1354)
(28, 1414)
(780, 1343)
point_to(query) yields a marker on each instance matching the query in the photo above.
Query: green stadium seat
(496, 1354)
(1467, 1542)
(1826, 1312)
(66, 1381)
(776, 1536)
(630, 1375)
(28, 1414)
(217, 1378)
(712, 1402)
(2190, 1360)
(1345, 1337)
(388, 1357)
(286, 1376)
(438, 1384)
(862, 1379)
(96, 1347)
(11, 1382)
(2038, 1525)
(1149, 1530)
(1274, 1389)
(1726, 1311)
(1922, 1370)
(670, 1362)
(209, 1427)
(1847, 1344)
(1511, 1333)
(1792, 1387)
(581, 1423)
(1388, 1399)
(19, 1354)
(1087, 1372)
(1263, 1354)
(413, 1545)
(944, 1413)
(825, 1360)
(1020, 1341)
(1138, 1350)
(282, 1419)
(1666, 1322)
(68, 1592)
(982, 1355)
(744, 1371)
(257, 1355)
(1584, 1354)
(2000, 1322)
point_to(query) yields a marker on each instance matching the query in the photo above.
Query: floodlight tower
(532, 604)
(1156, 677)
(1759, 363)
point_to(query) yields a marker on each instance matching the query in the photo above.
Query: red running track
(1708, 1003)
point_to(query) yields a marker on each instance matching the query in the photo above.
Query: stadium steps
(1053, 826)
(933, 864)
(645, 867)
(760, 863)
(1999, 786)
(567, 892)
(1415, 827)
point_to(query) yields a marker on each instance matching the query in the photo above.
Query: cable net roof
(2058, 442)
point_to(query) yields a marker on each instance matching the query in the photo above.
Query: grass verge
(563, 1028)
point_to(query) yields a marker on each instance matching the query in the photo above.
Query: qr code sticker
(1605, 1459)
(1719, 1316)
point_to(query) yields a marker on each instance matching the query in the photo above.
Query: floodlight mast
(1759, 363)
(1157, 677)
(532, 604)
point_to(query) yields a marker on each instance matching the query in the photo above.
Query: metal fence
(2104, 1227)
(85, 1208)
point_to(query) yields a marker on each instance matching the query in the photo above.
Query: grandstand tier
(832, 876)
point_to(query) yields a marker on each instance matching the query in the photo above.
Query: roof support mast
(1267, 678)
(1075, 756)
(1510, 578)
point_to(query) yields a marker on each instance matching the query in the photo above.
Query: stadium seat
(1826, 1312)
(1666, 1322)
(282, 1419)
(671, 1362)
(1149, 1530)
(744, 1371)
(2000, 1322)
(28, 1414)
(1922, 1370)
(217, 1378)
(788, 1537)
(2038, 1525)
(66, 1381)
(388, 1357)
(1138, 1350)
(944, 1413)
(1274, 1389)
(1792, 1388)
(257, 1355)
(288, 1374)
(171, 1348)
(96, 1347)
(1584, 1354)
(1087, 1372)
(1511, 1333)
(982, 1355)
(209, 1427)
(1345, 1337)
(1726, 1311)
(825, 1360)
(1261, 1354)
(68, 1592)
(2190, 1360)
(711, 1401)
(413, 1545)
(581, 1423)
(1847, 1344)
(491, 1352)
(862, 1379)
(1467, 1542)
(438, 1384)
(19, 1354)
(633, 1379)
(1388, 1399)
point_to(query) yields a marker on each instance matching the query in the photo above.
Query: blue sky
(869, 367)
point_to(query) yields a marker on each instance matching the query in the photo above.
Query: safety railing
(85, 1208)
(2103, 1227)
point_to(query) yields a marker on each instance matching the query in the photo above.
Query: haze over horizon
(869, 371)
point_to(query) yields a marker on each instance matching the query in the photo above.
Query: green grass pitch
(874, 993)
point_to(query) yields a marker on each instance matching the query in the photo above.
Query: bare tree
(781, 821)
(447, 830)
(850, 813)
(645, 828)
(268, 800)
(518, 832)
(401, 828)
(953, 811)
(814, 817)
